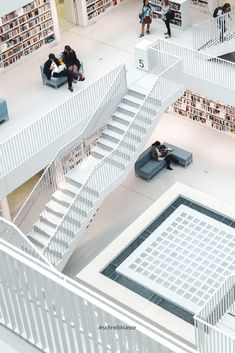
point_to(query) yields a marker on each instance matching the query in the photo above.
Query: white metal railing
(79, 147)
(11, 234)
(214, 31)
(210, 338)
(71, 114)
(58, 315)
(112, 166)
(200, 65)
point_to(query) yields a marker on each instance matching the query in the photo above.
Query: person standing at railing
(145, 17)
(220, 13)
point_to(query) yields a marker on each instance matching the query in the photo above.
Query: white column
(5, 209)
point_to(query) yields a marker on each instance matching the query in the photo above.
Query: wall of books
(205, 111)
(25, 30)
(180, 8)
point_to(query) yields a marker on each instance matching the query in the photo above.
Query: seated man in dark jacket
(159, 152)
(53, 68)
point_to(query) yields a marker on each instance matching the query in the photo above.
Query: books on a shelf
(211, 113)
(180, 8)
(25, 30)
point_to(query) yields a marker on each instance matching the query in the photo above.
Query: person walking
(166, 10)
(221, 20)
(145, 17)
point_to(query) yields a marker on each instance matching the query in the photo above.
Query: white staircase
(61, 200)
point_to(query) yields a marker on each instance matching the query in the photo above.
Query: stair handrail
(190, 68)
(56, 179)
(214, 29)
(32, 129)
(113, 152)
(13, 235)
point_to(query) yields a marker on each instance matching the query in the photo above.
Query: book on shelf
(212, 113)
(25, 30)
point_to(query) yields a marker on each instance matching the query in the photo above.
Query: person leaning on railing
(221, 21)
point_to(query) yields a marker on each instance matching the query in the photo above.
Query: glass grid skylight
(185, 259)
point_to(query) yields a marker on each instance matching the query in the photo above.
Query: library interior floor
(101, 46)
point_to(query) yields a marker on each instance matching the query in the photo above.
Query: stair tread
(39, 238)
(117, 125)
(133, 99)
(107, 143)
(101, 151)
(113, 134)
(139, 89)
(56, 206)
(49, 229)
(82, 172)
(70, 187)
(123, 116)
(60, 195)
(51, 217)
(129, 108)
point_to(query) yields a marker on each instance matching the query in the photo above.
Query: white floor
(102, 46)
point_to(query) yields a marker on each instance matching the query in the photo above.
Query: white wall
(11, 5)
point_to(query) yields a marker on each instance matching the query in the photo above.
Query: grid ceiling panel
(185, 259)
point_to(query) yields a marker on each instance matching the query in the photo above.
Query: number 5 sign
(141, 57)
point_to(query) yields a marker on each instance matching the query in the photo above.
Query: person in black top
(159, 152)
(71, 61)
(53, 68)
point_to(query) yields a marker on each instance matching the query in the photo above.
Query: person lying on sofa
(159, 152)
(53, 68)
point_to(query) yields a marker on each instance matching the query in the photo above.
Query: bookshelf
(181, 9)
(200, 5)
(96, 8)
(205, 111)
(25, 30)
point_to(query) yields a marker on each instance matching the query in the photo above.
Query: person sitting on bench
(53, 68)
(71, 61)
(159, 152)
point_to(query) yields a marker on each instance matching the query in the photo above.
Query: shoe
(81, 79)
(167, 36)
(75, 81)
(70, 89)
(169, 168)
(148, 32)
(141, 35)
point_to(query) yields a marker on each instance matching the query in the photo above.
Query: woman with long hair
(71, 61)
(165, 17)
(145, 17)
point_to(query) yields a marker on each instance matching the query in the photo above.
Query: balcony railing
(210, 336)
(215, 31)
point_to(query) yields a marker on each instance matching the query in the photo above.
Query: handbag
(141, 15)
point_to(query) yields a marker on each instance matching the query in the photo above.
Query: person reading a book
(160, 152)
(53, 68)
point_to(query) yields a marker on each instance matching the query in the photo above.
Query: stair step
(117, 126)
(69, 188)
(107, 144)
(87, 191)
(38, 239)
(82, 172)
(123, 118)
(44, 228)
(62, 198)
(127, 109)
(99, 152)
(50, 218)
(55, 208)
(129, 99)
(112, 135)
(137, 92)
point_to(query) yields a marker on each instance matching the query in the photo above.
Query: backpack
(170, 14)
(215, 13)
